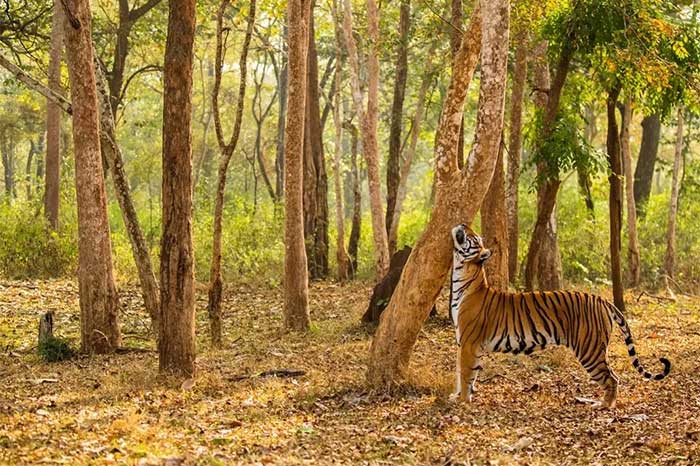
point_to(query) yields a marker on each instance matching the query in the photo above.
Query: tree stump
(45, 327)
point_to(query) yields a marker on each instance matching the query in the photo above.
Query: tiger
(490, 320)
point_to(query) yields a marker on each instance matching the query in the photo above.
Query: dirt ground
(528, 410)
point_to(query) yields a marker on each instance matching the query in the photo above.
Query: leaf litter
(268, 397)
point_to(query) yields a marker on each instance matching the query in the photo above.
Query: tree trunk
(514, 151)
(354, 240)
(670, 256)
(227, 149)
(296, 281)
(644, 173)
(615, 163)
(176, 344)
(8, 163)
(396, 124)
(494, 227)
(28, 172)
(259, 115)
(368, 124)
(457, 13)
(315, 184)
(52, 180)
(281, 117)
(341, 253)
(421, 103)
(543, 260)
(633, 257)
(458, 193)
(99, 329)
(139, 249)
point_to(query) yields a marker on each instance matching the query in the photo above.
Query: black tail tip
(667, 369)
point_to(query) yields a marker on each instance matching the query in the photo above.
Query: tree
(226, 148)
(99, 329)
(459, 193)
(393, 160)
(315, 184)
(633, 258)
(670, 255)
(296, 281)
(644, 172)
(282, 80)
(494, 227)
(53, 121)
(515, 139)
(176, 343)
(368, 123)
(356, 223)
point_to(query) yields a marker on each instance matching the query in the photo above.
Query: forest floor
(117, 410)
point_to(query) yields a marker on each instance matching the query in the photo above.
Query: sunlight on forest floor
(116, 410)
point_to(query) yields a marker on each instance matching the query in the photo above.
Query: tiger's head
(468, 246)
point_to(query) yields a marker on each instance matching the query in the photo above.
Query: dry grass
(117, 410)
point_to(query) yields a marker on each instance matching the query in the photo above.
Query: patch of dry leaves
(117, 410)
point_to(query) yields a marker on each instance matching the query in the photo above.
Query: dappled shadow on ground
(116, 409)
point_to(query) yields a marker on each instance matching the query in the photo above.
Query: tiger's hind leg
(466, 361)
(604, 376)
(475, 374)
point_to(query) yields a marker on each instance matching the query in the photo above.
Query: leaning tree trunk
(99, 329)
(52, 172)
(644, 173)
(456, 19)
(459, 193)
(494, 227)
(615, 163)
(670, 256)
(393, 161)
(633, 258)
(296, 281)
(315, 184)
(176, 344)
(227, 148)
(368, 124)
(514, 151)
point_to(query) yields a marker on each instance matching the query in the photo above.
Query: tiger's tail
(627, 333)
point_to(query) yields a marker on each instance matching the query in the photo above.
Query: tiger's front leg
(465, 372)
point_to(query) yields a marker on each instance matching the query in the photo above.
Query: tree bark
(670, 255)
(115, 162)
(457, 14)
(356, 225)
(296, 281)
(459, 193)
(648, 150)
(227, 149)
(615, 163)
(393, 161)
(52, 180)
(494, 227)
(633, 257)
(514, 151)
(368, 124)
(315, 185)
(281, 116)
(99, 329)
(176, 344)
(36, 85)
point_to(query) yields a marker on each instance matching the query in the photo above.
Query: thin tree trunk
(354, 240)
(648, 150)
(259, 115)
(514, 151)
(99, 302)
(670, 256)
(115, 162)
(393, 161)
(281, 116)
(368, 124)
(176, 344)
(457, 14)
(494, 227)
(315, 184)
(215, 281)
(296, 280)
(52, 178)
(633, 257)
(28, 172)
(428, 265)
(615, 162)
(421, 104)
(36, 85)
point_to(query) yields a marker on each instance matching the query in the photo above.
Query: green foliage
(29, 248)
(55, 349)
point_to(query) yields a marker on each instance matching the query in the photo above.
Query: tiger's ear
(485, 255)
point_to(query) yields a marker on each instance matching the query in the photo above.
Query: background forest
(224, 183)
